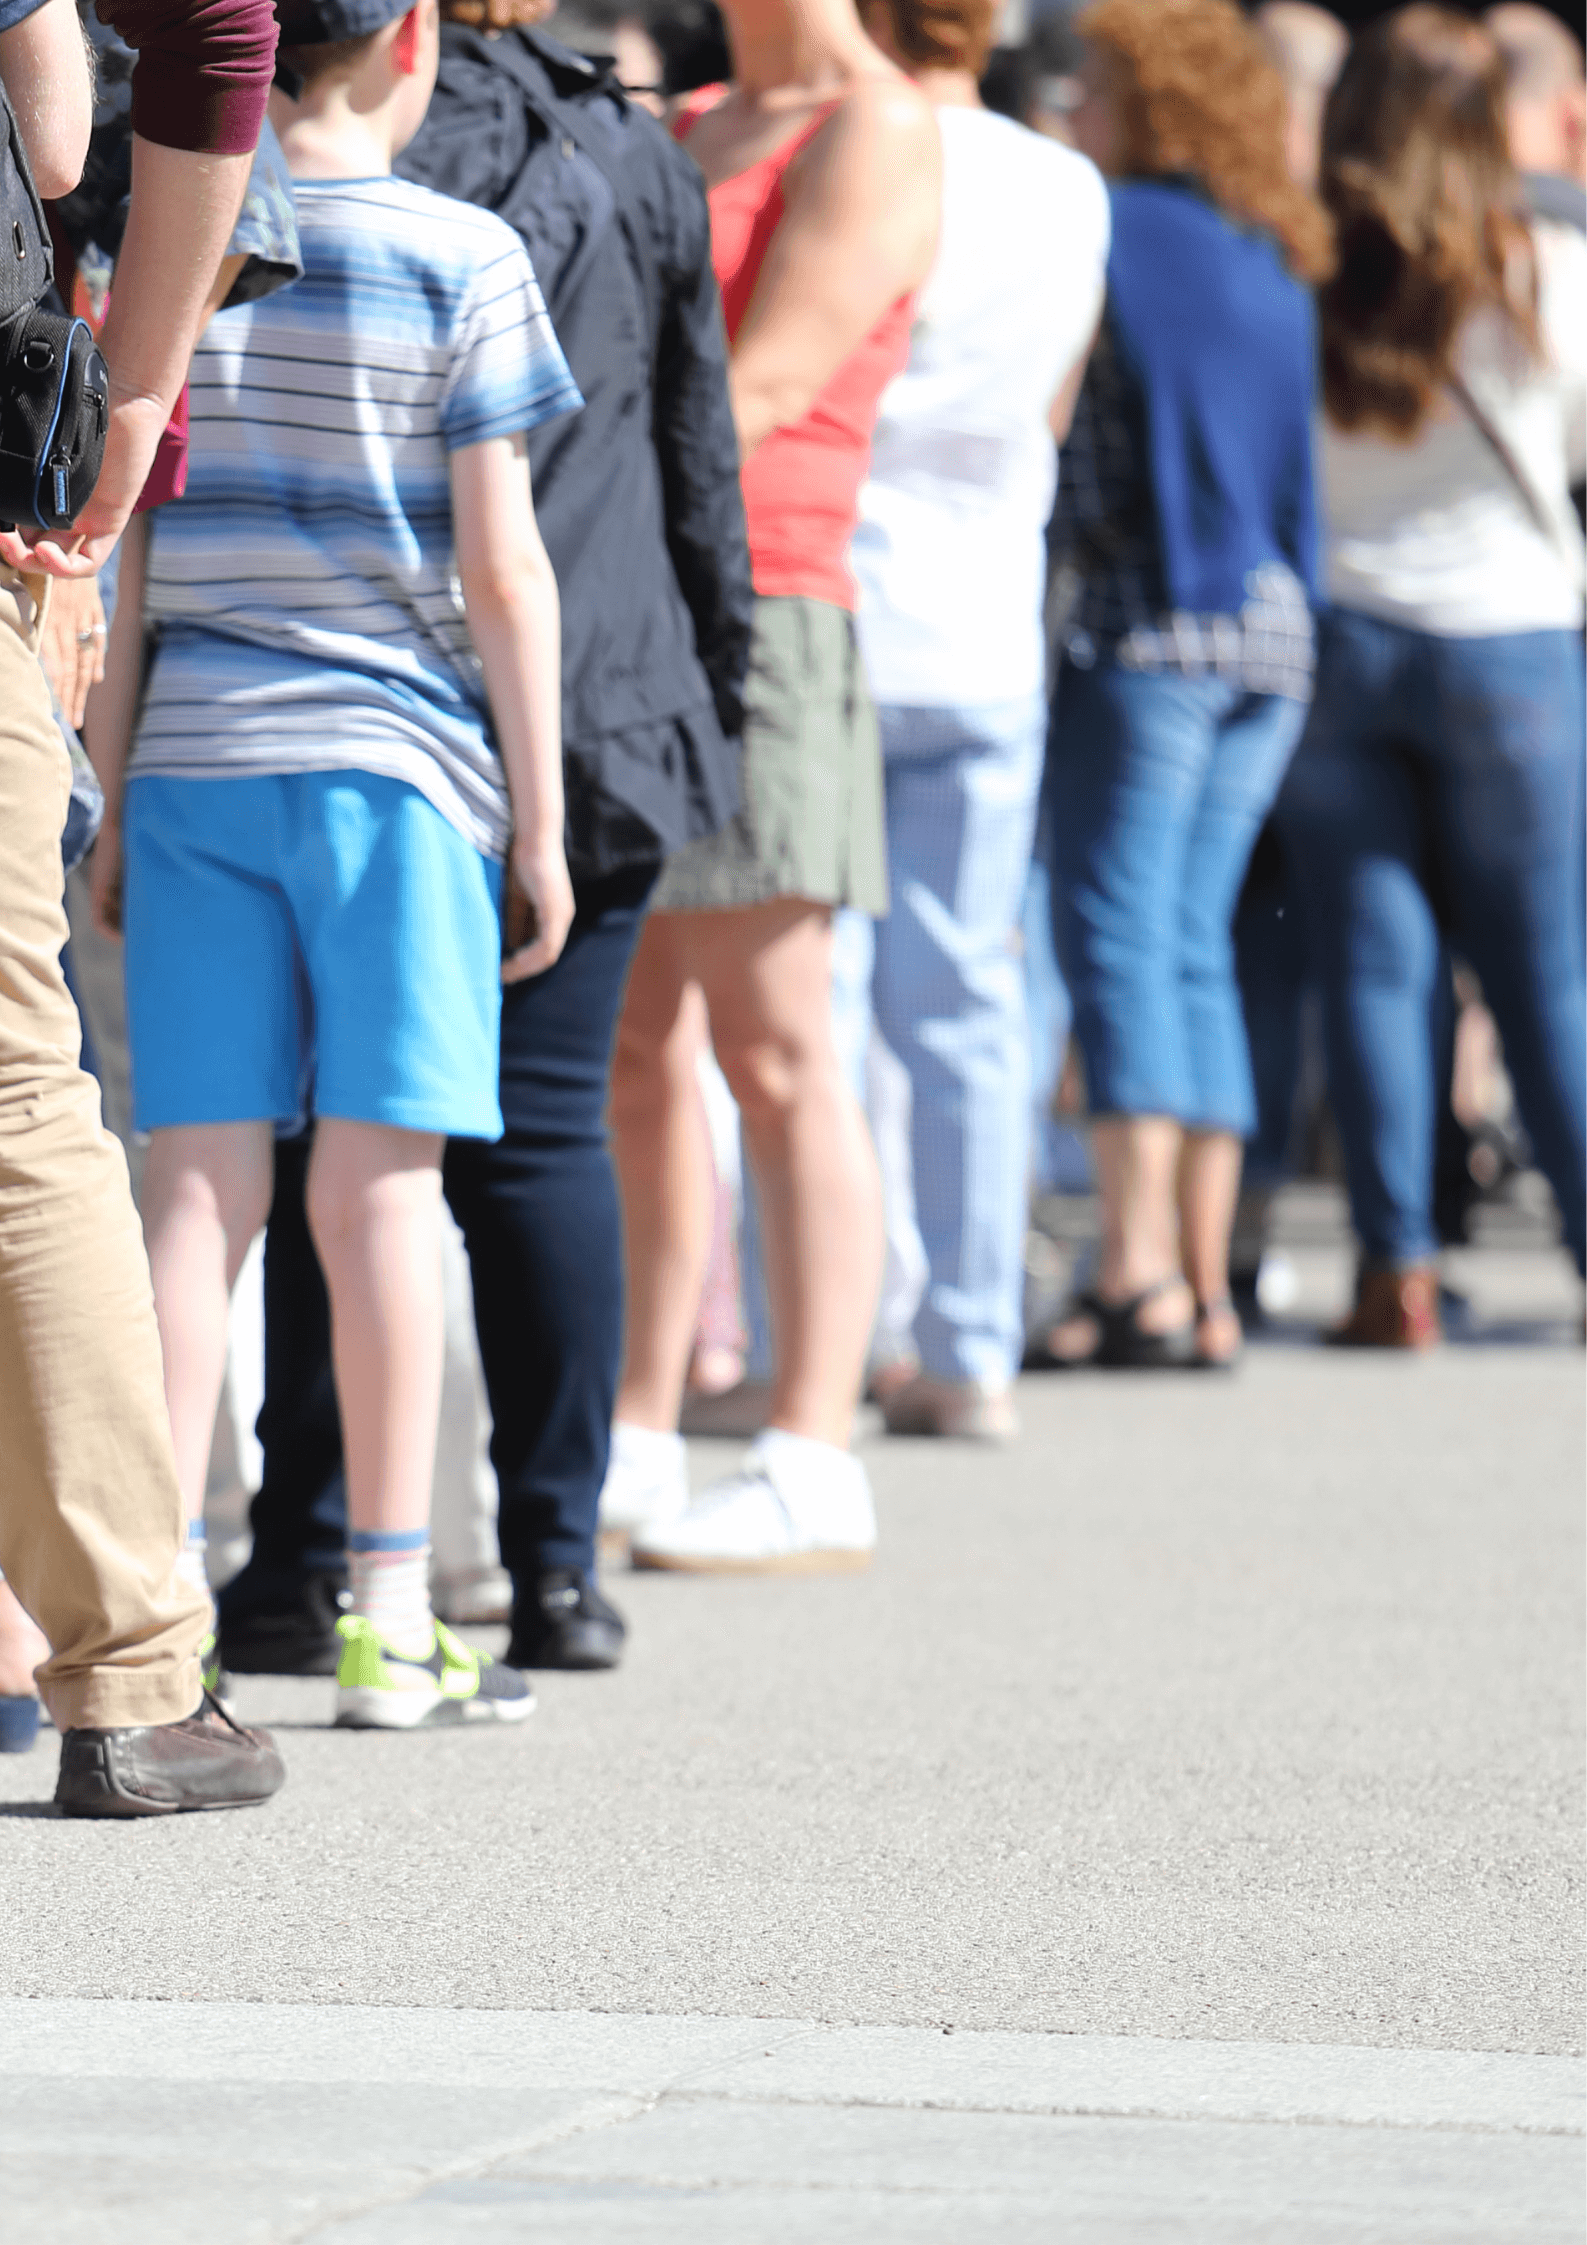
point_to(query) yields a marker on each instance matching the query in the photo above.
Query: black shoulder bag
(54, 386)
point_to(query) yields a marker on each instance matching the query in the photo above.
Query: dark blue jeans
(1158, 786)
(1440, 780)
(538, 1210)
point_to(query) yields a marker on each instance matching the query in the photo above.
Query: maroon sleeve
(204, 70)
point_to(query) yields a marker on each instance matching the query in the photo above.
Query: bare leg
(1137, 1157)
(23, 1647)
(767, 975)
(1209, 1190)
(374, 1209)
(664, 1168)
(206, 1193)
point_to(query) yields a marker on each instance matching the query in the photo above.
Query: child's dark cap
(319, 23)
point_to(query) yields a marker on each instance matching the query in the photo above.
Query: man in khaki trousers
(90, 1516)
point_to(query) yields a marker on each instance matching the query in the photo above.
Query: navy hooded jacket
(638, 495)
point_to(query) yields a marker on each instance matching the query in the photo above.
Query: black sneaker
(159, 1769)
(275, 1621)
(560, 1620)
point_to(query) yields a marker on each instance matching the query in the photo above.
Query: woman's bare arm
(862, 208)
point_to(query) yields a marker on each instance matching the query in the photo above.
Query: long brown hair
(1417, 174)
(1197, 94)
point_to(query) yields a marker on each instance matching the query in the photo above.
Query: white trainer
(795, 1507)
(647, 1481)
(962, 1410)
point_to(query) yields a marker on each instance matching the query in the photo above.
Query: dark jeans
(539, 1213)
(1442, 778)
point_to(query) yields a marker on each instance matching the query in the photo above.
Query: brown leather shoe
(1394, 1310)
(157, 1769)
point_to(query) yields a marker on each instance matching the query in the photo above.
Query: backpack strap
(1526, 491)
(565, 117)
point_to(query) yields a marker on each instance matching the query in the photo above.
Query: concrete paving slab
(615, 2213)
(617, 2054)
(370, 2048)
(131, 2163)
(1427, 2184)
(1138, 2076)
(133, 2123)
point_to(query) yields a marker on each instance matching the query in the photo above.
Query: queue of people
(643, 584)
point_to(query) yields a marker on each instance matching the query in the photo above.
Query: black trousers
(539, 1213)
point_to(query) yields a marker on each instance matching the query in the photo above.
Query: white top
(949, 553)
(1434, 533)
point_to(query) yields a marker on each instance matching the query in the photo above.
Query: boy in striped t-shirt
(352, 719)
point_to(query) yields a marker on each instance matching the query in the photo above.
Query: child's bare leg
(206, 1193)
(374, 1208)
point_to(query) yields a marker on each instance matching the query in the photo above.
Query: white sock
(641, 1450)
(391, 1586)
(800, 1458)
(190, 1559)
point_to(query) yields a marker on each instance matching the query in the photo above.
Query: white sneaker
(647, 1481)
(480, 1600)
(963, 1410)
(794, 1507)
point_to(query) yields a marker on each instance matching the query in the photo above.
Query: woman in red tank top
(823, 167)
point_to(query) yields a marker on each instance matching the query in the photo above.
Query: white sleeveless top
(949, 553)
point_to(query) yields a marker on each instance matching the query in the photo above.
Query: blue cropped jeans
(1159, 784)
(1441, 779)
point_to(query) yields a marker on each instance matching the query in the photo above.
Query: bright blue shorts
(309, 942)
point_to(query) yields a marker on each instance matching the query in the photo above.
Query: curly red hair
(1197, 95)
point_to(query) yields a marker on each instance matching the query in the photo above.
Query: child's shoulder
(433, 234)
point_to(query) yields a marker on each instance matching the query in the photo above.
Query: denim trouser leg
(948, 997)
(1047, 1008)
(539, 1212)
(1507, 714)
(1254, 745)
(1462, 758)
(1270, 963)
(1159, 786)
(1351, 813)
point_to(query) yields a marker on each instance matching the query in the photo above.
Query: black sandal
(1121, 1344)
(1224, 1306)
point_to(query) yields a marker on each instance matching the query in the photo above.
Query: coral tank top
(802, 485)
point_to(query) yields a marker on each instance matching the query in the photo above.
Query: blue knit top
(1187, 482)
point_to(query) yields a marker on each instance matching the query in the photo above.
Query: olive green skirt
(811, 820)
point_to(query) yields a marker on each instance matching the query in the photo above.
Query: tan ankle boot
(1394, 1310)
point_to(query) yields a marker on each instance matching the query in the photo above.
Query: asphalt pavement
(1177, 1832)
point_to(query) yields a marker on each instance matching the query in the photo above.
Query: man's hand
(73, 647)
(183, 209)
(539, 910)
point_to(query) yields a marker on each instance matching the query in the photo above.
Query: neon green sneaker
(211, 1674)
(383, 1690)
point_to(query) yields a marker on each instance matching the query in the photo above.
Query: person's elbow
(57, 161)
(500, 586)
(44, 68)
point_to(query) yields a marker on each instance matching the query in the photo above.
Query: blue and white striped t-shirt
(304, 587)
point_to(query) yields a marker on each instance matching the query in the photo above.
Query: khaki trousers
(90, 1515)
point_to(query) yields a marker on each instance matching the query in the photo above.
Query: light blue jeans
(941, 978)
